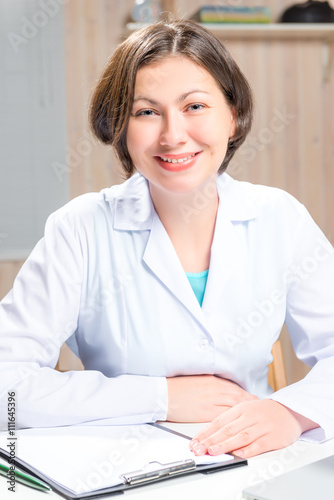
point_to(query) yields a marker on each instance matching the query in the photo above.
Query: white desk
(224, 485)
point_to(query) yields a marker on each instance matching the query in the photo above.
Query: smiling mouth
(177, 160)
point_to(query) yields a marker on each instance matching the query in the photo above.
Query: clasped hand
(240, 422)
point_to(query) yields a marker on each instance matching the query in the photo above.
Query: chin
(179, 186)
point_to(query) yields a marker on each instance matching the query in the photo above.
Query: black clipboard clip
(164, 470)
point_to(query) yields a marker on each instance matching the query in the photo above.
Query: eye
(196, 106)
(145, 112)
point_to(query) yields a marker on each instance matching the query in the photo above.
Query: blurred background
(51, 55)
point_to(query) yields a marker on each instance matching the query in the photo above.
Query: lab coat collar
(236, 199)
(134, 210)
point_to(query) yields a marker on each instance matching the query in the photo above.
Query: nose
(173, 130)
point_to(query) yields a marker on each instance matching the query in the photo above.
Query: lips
(177, 162)
(174, 159)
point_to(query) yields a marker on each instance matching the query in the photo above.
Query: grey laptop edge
(310, 482)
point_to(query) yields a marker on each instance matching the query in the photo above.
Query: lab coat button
(204, 343)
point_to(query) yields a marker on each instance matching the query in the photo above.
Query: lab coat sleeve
(36, 318)
(310, 321)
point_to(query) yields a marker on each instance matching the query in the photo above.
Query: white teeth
(180, 160)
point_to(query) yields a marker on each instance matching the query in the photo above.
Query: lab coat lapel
(163, 261)
(225, 253)
(226, 250)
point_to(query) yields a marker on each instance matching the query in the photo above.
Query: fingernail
(199, 449)
(214, 449)
(193, 443)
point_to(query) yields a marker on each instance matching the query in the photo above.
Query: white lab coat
(106, 278)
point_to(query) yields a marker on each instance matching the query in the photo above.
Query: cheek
(139, 138)
(214, 129)
(134, 142)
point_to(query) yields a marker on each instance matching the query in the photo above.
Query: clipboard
(151, 470)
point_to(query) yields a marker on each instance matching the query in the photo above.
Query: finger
(229, 416)
(219, 443)
(231, 389)
(223, 440)
(235, 435)
(260, 445)
(231, 393)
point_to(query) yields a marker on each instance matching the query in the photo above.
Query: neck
(189, 219)
(186, 209)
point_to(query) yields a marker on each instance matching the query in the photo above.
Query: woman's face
(179, 126)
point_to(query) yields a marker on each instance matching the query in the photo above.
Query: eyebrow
(180, 99)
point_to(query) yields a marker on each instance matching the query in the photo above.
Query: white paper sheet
(87, 458)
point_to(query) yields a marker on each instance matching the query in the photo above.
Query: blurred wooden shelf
(271, 31)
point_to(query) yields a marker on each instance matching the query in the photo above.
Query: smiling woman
(185, 130)
(173, 286)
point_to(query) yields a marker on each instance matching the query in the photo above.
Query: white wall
(32, 121)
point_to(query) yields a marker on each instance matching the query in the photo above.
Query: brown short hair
(112, 99)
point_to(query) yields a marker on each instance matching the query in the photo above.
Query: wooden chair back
(277, 374)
